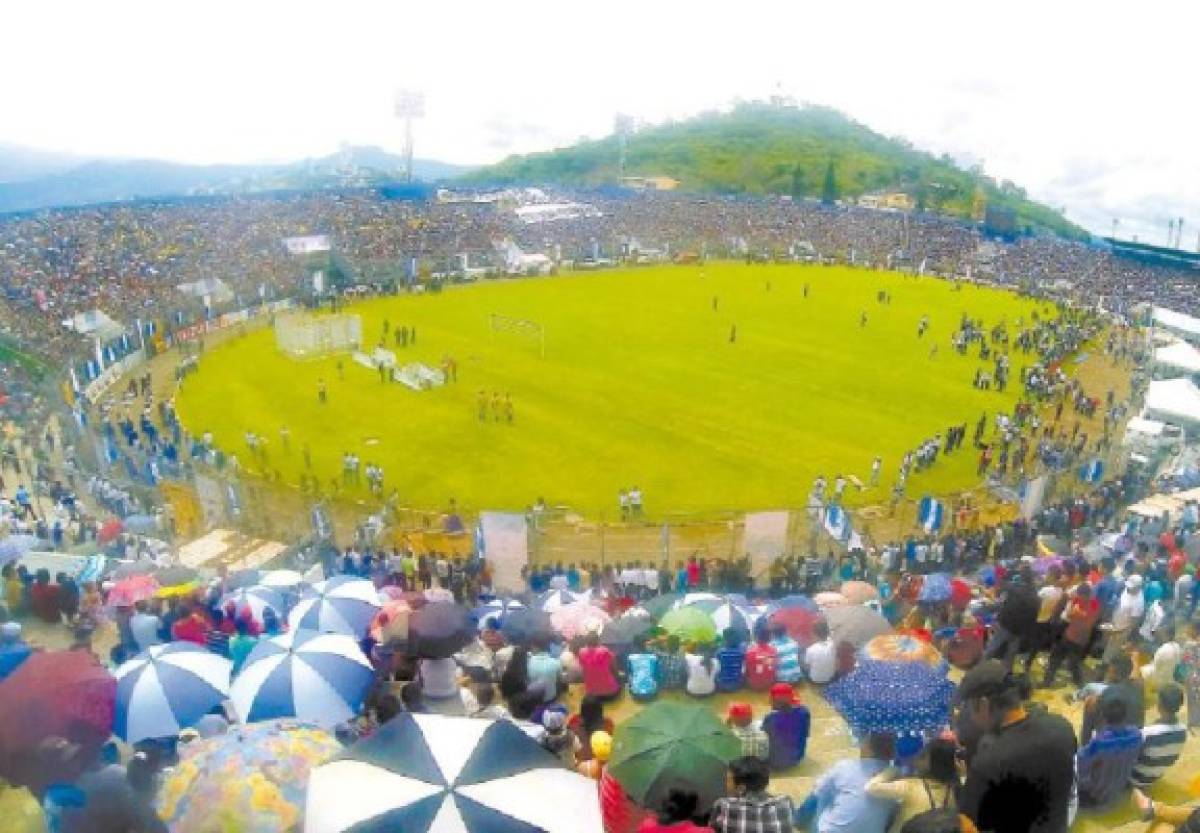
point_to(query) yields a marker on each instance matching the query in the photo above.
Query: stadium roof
(1173, 400)
(1179, 355)
(1161, 255)
(1169, 319)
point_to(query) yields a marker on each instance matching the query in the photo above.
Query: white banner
(307, 245)
(98, 386)
(765, 539)
(506, 548)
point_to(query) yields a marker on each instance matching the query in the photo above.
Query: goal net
(522, 328)
(311, 336)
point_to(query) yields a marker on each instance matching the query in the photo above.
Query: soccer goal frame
(306, 336)
(521, 327)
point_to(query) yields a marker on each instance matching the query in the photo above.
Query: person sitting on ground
(439, 678)
(934, 785)
(545, 671)
(787, 651)
(558, 740)
(1162, 740)
(675, 814)
(702, 670)
(839, 802)
(515, 678)
(740, 720)
(1104, 766)
(643, 671)
(1122, 685)
(412, 697)
(599, 667)
(672, 665)
(487, 706)
(588, 722)
(1166, 818)
(821, 657)
(731, 660)
(761, 661)
(749, 808)
(191, 626)
(787, 725)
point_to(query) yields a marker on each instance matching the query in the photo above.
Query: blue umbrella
(554, 599)
(495, 611)
(343, 604)
(141, 524)
(899, 697)
(257, 600)
(319, 678)
(935, 589)
(16, 546)
(168, 688)
(524, 626)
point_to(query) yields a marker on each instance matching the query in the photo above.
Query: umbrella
(727, 614)
(894, 647)
(391, 623)
(342, 604)
(554, 599)
(858, 592)
(620, 634)
(141, 567)
(315, 677)
(655, 607)
(252, 779)
(798, 622)
(109, 530)
(828, 600)
(426, 773)
(256, 600)
(439, 630)
(439, 594)
(795, 600)
(690, 624)
(53, 693)
(670, 744)
(855, 625)
(961, 593)
(577, 619)
(281, 579)
(693, 598)
(522, 627)
(168, 688)
(935, 589)
(129, 591)
(141, 524)
(494, 611)
(14, 547)
(899, 697)
(176, 590)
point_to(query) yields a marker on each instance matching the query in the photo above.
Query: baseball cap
(986, 679)
(740, 711)
(782, 691)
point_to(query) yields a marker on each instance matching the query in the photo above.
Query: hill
(59, 181)
(769, 149)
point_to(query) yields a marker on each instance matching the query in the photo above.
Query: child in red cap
(787, 726)
(755, 743)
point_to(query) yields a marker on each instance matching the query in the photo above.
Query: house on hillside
(887, 201)
(650, 183)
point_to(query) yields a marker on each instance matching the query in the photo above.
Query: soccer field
(641, 385)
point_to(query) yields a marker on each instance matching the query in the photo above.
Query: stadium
(615, 487)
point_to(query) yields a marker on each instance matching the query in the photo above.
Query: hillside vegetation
(769, 149)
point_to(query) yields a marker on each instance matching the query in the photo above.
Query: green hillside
(768, 149)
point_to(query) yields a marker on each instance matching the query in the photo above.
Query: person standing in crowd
(1081, 614)
(749, 808)
(1127, 613)
(933, 786)
(839, 802)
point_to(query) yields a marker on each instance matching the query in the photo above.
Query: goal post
(520, 327)
(307, 336)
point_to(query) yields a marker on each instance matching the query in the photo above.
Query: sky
(1088, 106)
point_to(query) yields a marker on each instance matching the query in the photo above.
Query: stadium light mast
(623, 126)
(410, 106)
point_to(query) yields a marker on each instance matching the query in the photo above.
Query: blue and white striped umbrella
(554, 599)
(257, 599)
(342, 604)
(493, 612)
(727, 613)
(315, 677)
(14, 547)
(168, 688)
(696, 598)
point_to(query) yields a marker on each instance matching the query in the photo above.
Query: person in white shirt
(701, 673)
(439, 678)
(1129, 610)
(1152, 621)
(1167, 657)
(821, 657)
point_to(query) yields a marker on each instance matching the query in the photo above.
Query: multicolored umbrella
(252, 779)
(728, 614)
(795, 600)
(129, 591)
(859, 592)
(168, 688)
(669, 744)
(894, 647)
(855, 624)
(439, 630)
(621, 634)
(315, 677)
(342, 604)
(521, 627)
(257, 600)
(578, 619)
(66, 694)
(425, 773)
(702, 596)
(935, 590)
(690, 624)
(281, 579)
(898, 697)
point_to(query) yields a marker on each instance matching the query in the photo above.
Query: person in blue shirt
(787, 726)
(1105, 765)
(573, 578)
(839, 802)
(731, 659)
(681, 578)
(643, 671)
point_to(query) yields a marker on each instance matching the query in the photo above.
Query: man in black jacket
(1016, 620)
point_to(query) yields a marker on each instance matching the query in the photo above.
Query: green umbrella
(656, 606)
(672, 745)
(690, 624)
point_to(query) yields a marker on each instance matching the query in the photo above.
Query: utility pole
(623, 126)
(410, 105)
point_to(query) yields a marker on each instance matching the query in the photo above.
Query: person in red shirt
(1081, 614)
(190, 627)
(693, 573)
(675, 814)
(761, 663)
(599, 666)
(1175, 565)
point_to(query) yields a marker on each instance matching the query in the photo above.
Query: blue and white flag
(1092, 472)
(837, 522)
(930, 514)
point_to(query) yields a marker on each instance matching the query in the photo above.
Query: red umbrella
(129, 591)
(109, 530)
(798, 621)
(66, 694)
(960, 593)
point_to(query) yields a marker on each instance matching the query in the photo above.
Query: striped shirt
(788, 668)
(1161, 745)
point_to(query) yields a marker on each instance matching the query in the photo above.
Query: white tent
(1180, 356)
(1185, 325)
(214, 289)
(1173, 400)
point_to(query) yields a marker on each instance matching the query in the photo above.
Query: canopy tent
(213, 288)
(1173, 400)
(1155, 505)
(1178, 356)
(1187, 326)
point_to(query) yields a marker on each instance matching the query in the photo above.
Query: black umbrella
(439, 630)
(620, 634)
(134, 568)
(527, 624)
(171, 576)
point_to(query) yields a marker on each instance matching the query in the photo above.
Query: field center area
(715, 387)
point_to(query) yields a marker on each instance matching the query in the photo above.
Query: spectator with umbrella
(167, 689)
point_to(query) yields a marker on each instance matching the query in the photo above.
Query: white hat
(1134, 582)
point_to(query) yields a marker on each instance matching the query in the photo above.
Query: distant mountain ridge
(31, 180)
(778, 148)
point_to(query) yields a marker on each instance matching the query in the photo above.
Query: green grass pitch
(641, 385)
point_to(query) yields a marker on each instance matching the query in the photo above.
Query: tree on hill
(799, 183)
(829, 191)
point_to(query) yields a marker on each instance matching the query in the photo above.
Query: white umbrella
(342, 604)
(166, 689)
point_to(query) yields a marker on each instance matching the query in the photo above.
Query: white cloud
(1074, 102)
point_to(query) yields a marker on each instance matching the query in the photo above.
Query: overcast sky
(1089, 106)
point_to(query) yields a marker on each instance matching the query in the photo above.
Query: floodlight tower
(623, 125)
(410, 105)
